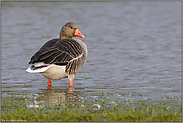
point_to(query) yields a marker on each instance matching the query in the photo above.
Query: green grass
(12, 111)
(77, 115)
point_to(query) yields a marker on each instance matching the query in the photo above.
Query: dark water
(134, 48)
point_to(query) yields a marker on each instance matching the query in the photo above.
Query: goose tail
(38, 67)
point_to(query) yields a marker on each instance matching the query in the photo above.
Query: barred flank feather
(75, 65)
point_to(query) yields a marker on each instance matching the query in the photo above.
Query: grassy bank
(13, 111)
(109, 116)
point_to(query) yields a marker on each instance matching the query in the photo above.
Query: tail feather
(36, 68)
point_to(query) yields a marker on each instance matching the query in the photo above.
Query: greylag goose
(62, 57)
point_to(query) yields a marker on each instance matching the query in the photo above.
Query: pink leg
(71, 89)
(70, 83)
(49, 84)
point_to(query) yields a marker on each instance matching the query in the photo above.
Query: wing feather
(58, 51)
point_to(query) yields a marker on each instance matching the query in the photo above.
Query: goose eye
(71, 27)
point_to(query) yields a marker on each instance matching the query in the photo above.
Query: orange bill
(78, 34)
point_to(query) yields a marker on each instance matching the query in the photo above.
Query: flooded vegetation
(98, 108)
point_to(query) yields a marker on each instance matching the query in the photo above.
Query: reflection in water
(57, 97)
(60, 96)
(70, 88)
(49, 86)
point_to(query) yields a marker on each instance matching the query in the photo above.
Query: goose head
(70, 30)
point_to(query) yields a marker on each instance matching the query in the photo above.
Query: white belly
(55, 72)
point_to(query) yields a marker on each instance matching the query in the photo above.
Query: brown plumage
(64, 53)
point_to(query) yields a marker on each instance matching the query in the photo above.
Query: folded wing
(58, 51)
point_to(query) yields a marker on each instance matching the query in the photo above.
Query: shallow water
(134, 49)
